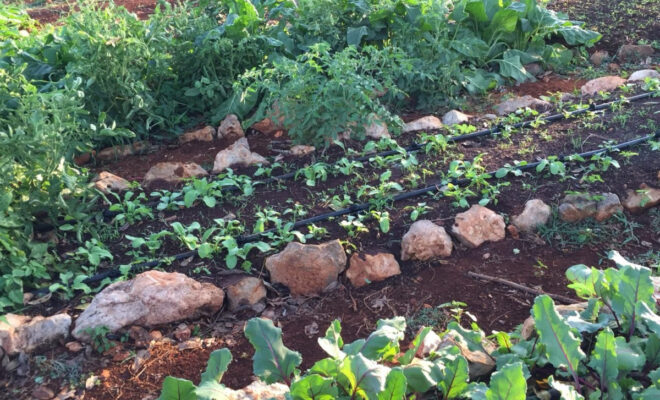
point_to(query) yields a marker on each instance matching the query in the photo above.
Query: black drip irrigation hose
(454, 139)
(115, 272)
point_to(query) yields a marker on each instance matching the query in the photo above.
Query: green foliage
(102, 76)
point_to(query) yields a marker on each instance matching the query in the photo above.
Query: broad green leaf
(421, 375)
(314, 387)
(511, 67)
(652, 350)
(354, 35)
(650, 393)
(177, 389)
(648, 317)
(272, 361)
(630, 357)
(508, 384)
(395, 386)
(210, 201)
(205, 250)
(383, 343)
(365, 378)
(326, 367)
(574, 35)
(476, 391)
(503, 21)
(211, 390)
(455, 375)
(332, 342)
(635, 286)
(583, 280)
(472, 339)
(190, 198)
(217, 365)
(477, 10)
(561, 344)
(604, 359)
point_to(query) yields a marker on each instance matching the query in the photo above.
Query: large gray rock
(643, 74)
(237, 155)
(535, 214)
(230, 128)
(307, 269)
(599, 57)
(424, 241)
(365, 268)
(247, 291)
(204, 134)
(257, 390)
(607, 206)
(477, 226)
(21, 333)
(454, 117)
(641, 199)
(151, 298)
(633, 52)
(173, 172)
(428, 123)
(121, 151)
(516, 103)
(602, 84)
(576, 207)
(107, 182)
(301, 150)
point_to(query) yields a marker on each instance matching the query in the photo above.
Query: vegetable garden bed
(103, 76)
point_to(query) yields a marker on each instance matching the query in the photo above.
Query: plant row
(609, 348)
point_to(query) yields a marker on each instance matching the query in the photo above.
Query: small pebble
(486, 256)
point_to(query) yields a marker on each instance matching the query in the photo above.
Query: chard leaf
(561, 344)
(604, 359)
(395, 386)
(332, 342)
(363, 377)
(648, 317)
(508, 384)
(383, 343)
(421, 375)
(575, 35)
(455, 374)
(583, 280)
(629, 355)
(177, 389)
(211, 390)
(476, 391)
(217, 365)
(272, 361)
(326, 368)
(511, 67)
(652, 350)
(314, 387)
(634, 287)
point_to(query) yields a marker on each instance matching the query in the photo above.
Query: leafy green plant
(578, 344)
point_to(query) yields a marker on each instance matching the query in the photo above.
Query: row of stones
(154, 298)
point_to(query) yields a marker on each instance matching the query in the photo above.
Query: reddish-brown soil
(620, 22)
(527, 260)
(49, 11)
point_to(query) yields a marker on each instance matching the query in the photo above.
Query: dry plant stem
(518, 286)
